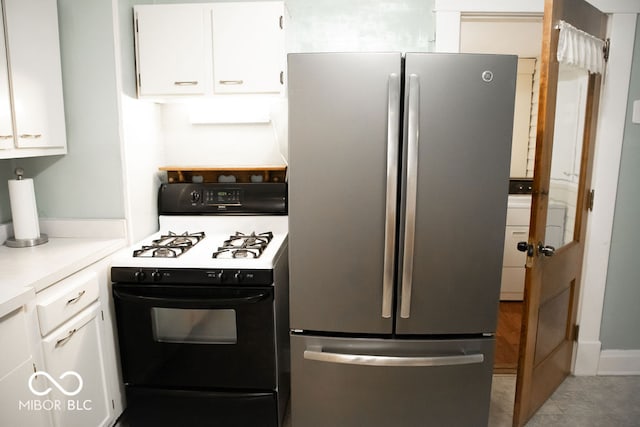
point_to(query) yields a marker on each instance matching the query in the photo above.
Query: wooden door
(567, 119)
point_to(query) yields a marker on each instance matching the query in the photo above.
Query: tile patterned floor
(604, 401)
(578, 402)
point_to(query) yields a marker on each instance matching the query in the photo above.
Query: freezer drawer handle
(370, 360)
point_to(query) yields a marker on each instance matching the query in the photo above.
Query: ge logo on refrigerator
(487, 76)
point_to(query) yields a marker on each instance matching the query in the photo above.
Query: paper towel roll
(23, 209)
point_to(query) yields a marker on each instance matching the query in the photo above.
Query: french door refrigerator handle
(413, 128)
(393, 133)
(372, 360)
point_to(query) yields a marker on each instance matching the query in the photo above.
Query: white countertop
(25, 271)
(12, 297)
(43, 265)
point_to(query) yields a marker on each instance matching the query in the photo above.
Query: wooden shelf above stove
(178, 174)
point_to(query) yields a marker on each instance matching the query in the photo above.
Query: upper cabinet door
(34, 56)
(248, 47)
(6, 125)
(170, 49)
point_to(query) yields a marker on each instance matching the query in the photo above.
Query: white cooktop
(217, 229)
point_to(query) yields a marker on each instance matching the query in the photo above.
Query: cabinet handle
(186, 83)
(6, 136)
(281, 77)
(31, 135)
(230, 82)
(64, 340)
(75, 300)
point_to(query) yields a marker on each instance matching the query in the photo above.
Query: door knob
(546, 250)
(525, 247)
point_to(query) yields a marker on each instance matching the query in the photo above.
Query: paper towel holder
(12, 242)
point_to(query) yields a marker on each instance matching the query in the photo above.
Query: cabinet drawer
(513, 257)
(66, 298)
(14, 336)
(513, 279)
(518, 216)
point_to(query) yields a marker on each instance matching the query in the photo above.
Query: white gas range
(202, 308)
(229, 242)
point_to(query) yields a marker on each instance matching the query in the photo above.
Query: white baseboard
(619, 362)
(587, 358)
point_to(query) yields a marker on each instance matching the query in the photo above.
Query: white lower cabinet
(78, 347)
(73, 356)
(19, 358)
(18, 405)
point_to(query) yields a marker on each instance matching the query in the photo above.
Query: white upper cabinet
(248, 47)
(33, 52)
(171, 54)
(209, 49)
(6, 125)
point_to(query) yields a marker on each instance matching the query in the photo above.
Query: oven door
(196, 336)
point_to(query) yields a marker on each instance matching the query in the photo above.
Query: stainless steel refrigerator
(398, 185)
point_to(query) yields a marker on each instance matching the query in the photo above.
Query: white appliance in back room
(398, 184)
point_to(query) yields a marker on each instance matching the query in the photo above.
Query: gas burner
(242, 245)
(170, 245)
(172, 239)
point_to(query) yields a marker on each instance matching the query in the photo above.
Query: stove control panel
(191, 276)
(222, 199)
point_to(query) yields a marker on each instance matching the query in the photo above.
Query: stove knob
(195, 196)
(156, 276)
(220, 276)
(139, 275)
(238, 277)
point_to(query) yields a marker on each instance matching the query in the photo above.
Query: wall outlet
(635, 118)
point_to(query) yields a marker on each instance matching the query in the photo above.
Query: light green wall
(87, 182)
(621, 315)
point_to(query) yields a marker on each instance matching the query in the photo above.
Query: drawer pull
(6, 136)
(63, 341)
(31, 136)
(75, 300)
(186, 83)
(231, 82)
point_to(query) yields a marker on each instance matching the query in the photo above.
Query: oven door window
(176, 325)
(189, 336)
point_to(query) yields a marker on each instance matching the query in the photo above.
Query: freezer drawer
(339, 382)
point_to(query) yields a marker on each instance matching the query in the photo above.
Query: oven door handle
(200, 302)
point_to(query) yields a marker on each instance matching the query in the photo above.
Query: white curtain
(580, 49)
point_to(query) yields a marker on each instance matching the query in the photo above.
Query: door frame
(613, 106)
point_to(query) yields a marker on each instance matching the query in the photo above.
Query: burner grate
(170, 245)
(241, 245)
